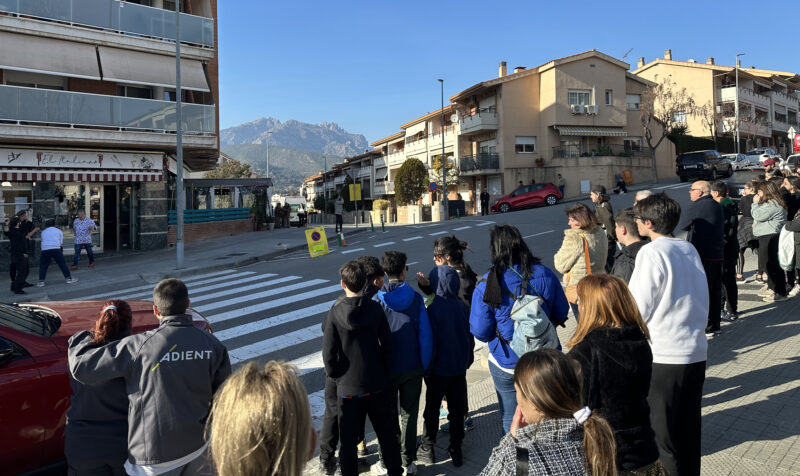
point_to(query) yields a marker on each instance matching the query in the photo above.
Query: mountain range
(296, 149)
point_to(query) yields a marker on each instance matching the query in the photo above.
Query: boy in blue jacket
(449, 319)
(412, 348)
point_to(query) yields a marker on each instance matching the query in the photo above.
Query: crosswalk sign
(355, 191)
(317, 242)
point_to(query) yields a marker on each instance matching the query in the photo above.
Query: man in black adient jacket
(704, 222)
(171, 373)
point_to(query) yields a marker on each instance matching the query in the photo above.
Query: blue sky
(372, 65)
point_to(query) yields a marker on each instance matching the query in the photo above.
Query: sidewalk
(152, 266)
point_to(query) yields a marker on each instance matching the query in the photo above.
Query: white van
(294, 202)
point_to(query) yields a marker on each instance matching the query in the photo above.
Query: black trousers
(768, 256)
(20, 266)
(338, 223)
(612, 251)
(676, 393)
(455, 389)
(484, 208)
(351, 421)
(731, 297)
(329, 434)
(713, 277)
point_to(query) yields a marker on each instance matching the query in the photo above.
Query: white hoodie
(670, 288)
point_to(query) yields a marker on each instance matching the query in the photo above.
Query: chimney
(640, 63)
(709, 60)
(668, 55)
(503, 70)
(519, 68)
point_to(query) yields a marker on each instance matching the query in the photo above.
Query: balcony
(379, 162)
(396, 158)
(435, 140)
(483, 120)
(612, 150)
(116, 16)
(784, 99)
(728, 94)
(383, 188)
(338, 180)
(65, 108)
(479, 163)
(416, 146)
(364, 171)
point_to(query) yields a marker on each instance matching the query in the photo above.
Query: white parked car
(763, 154)
(741, 161)
(791, 163)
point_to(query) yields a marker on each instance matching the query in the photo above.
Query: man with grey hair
(641, 195)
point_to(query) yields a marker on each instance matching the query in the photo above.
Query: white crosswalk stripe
(218, 276)
(229, 281)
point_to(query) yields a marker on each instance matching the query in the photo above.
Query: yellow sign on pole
(317, 242)
(355, 191)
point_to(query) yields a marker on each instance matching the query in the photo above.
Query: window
(135, 92)
(609, 97)
(679, 117)
(14, 198)
(633, 143)
(634, 101)
(579, 98)
(525, 145)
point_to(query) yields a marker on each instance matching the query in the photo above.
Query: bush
(380, 205)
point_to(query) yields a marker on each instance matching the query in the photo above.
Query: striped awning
(591, 131)
(78, 176)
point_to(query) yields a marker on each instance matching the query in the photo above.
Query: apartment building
(769, 100)
(359, 169)
(88, 112)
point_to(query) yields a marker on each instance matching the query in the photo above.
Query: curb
(188, 272)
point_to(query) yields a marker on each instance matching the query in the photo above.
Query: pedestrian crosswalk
(260, 316)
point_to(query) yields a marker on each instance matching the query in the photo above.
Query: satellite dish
(454, 118)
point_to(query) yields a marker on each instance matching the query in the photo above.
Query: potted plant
(539, 162)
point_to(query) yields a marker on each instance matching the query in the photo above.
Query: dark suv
(708, 164)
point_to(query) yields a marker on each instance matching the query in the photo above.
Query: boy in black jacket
(356, 348)
(454, 345)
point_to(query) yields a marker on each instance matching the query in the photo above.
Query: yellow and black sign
(317, 242)
(355, 191)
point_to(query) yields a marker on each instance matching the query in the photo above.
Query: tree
(435, 172)
(231, 168)
(411, 182)
(753, 126)
(710, 118)
(663, 106)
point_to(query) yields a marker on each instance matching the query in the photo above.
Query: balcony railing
(613, 150)
(483, 120)
(113, 15)
(383, 188)
(67, 108)
(396, 158)
(472, 163)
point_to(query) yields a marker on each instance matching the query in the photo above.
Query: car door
(536, 195)
(517, 197)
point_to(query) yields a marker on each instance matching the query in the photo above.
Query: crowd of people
(624, 399)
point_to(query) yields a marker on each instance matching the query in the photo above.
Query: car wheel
(713, 174)
(730, 171)
(505, 208)
(550, 199)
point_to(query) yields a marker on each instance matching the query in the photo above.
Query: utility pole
(269, 199)
(736, 106)
(444, 161)
(181, 200)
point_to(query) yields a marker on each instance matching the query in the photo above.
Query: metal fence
(210, 215)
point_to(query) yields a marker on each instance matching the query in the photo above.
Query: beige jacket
(570, 261)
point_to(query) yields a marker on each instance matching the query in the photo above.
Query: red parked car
(525, 196)
(34, 378)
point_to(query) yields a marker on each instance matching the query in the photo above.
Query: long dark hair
(114, 322)
(506, 248)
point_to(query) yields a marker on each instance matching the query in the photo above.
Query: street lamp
(324, 192)
(181, 201)
(269, 199)
(736, 106)
(444, 160)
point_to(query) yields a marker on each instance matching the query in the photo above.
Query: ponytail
(114, 319)
(599, 447)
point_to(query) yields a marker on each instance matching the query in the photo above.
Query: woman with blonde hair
(611, 346)
(552, 432)
(261, 423)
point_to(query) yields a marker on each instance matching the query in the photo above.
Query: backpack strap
(522, 461)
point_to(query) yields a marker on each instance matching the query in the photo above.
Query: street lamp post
(269, 199)
(181, 200)
(324, 192)
(736, 106)
(444, 160)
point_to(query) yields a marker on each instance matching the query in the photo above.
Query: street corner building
(88, 113)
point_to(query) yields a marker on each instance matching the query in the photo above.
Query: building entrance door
(78, 196)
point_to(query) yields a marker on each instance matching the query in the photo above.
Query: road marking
(352, 251)
(242, 289)
(537, 234)
(263, 294)
(316, 401)
(413, 262)
(196, 291)
(663, 187)
(438, 233)
(273, 344)
(412, 238)
(216, 277)
(273, 321)
(462, 228)
(263, 306)
(309, 363)
(485, 223)
(383, 244)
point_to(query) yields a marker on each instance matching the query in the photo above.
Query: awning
(591, 131)
(78, 176)
(136, 67)
(380, 174)
(416, 129)
(47, 55)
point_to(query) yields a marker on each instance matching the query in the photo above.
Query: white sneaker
(411, 469)
(795, 291)
(72, 280)
(40, 284)
(378, 469)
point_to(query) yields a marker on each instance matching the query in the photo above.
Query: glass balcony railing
(66, 108)
(113, 15)
(473, 163)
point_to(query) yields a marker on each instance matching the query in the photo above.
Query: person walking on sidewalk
(730, 251)
(52, 242)
(454, 345)
(172, 373)
(338, 210)
(18, 249)
(412, 349)
(484, 202)
(356, 351)
(704, 222)
(671, 292)
(83, 226)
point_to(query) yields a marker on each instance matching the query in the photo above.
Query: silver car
(741, 161)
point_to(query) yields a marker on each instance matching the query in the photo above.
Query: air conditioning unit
(591, 109)
(576, 109)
